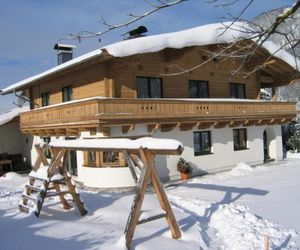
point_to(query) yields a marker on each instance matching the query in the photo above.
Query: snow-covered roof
(6, 117)
(198, 36)
(122, 143)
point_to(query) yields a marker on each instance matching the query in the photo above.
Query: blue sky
(30, 28)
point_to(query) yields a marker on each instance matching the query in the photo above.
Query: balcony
(99, 114)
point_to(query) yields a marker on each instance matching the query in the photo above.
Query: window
(149, 87)
(67, 94)
(45, 99)
(198, 89)
(103, 159)
(91, 158)
(240, 139)
(237, 90)
(202, 143)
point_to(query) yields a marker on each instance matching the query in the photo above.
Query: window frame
(149, 93)
(236, 90)
(239, 147)
(69, 94)
(45, 96)
(199, 82)
(201, 151)
(100, 163)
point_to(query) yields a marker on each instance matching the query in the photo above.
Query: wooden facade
(115, 78)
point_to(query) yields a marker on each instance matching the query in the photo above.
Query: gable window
(67, 94)
(198, 89)
(45, 99)
(149, 87)
(240, 139)
(202, 143)
(237, 90)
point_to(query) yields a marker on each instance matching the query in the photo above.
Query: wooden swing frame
(142, 156)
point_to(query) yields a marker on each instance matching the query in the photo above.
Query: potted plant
(184, 168)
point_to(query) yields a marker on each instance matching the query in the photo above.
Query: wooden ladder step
(154, 217)
(60, 182)
(51, 194)
(33, 188)
(24, 208)
(37, 178)
(28, 197)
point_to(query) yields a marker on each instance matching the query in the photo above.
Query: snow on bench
(160, 146)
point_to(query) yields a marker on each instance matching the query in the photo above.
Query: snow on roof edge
(6, 117)
(214, 33)
(57, 68)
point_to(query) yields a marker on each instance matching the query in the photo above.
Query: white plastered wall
(12, 141)
(274, 141)
(223, 156)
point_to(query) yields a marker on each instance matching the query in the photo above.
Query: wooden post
(137, 203)
(40, 159)
(71, 187)
(149, 171)
(162, 197)
(266, 242)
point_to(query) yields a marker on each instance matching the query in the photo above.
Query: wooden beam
(187, 126)
(269, 63)
(127, 128)
(138, 201)
(220, 124)
(204, 125)
(162, 197)
(233, 123)
(153, 127)
(167, 127)
(41, 158)
(266, 79)
(105, 130)
(93, 130)
(260, 122)
(248, 123)
(271, 121)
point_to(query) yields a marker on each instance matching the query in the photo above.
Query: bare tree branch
(110, 27)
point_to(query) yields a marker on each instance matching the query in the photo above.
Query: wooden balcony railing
(100, 112)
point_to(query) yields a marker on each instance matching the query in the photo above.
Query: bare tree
(252, 30)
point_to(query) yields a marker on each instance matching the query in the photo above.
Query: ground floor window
(202, 143)
(103, 159)
(240, 139)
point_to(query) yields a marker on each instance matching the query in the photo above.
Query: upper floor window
(149, 87)
(198, 89)
(45, 99)
(67, 94)
(237, 90)
(202, 143)
(240, 139)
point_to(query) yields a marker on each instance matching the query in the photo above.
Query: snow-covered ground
(229, 210)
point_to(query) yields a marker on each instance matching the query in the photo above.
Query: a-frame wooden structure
(48, 179)
(139, 153)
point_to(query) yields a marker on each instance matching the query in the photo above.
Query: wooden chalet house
(127, 89)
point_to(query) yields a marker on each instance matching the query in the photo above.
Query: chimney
(64, 52)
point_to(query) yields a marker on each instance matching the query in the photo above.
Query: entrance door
(72, 160)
